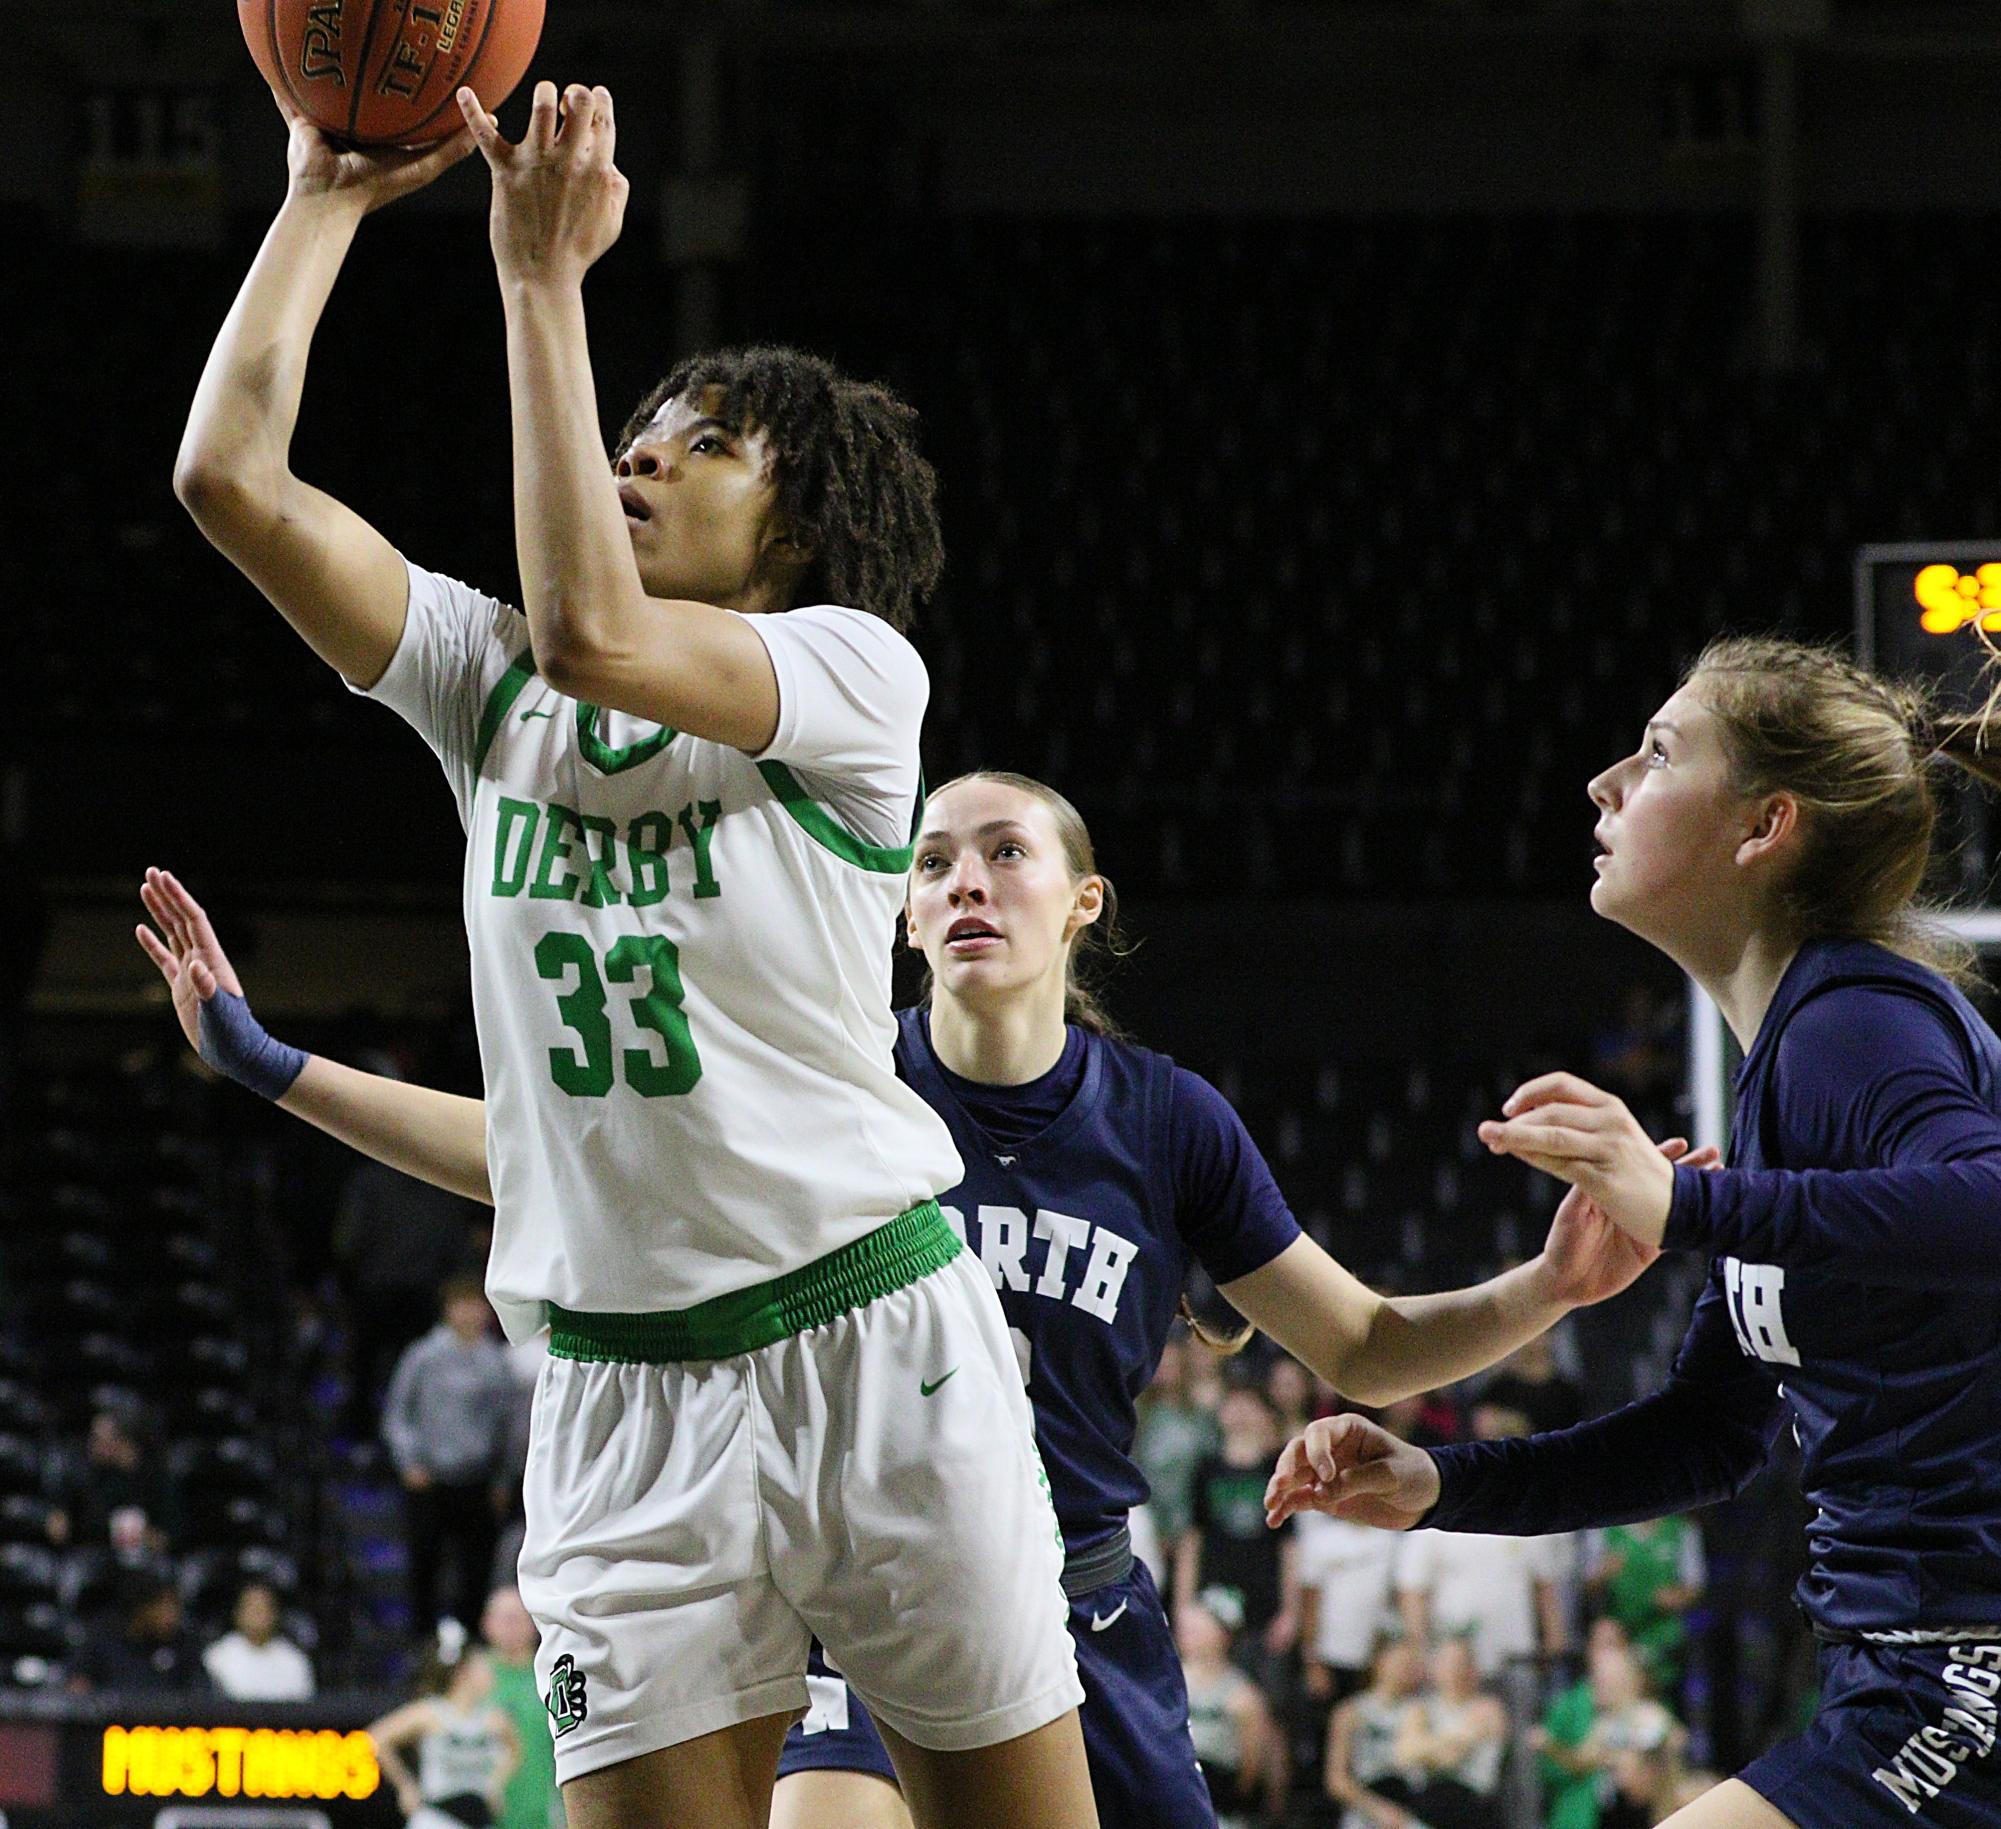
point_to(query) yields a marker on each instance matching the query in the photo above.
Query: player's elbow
(1374, 1389)
(222, 498)
(1369, 1369)
(571, 656)
(201, 486)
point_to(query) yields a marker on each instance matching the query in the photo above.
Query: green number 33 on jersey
(559, 956)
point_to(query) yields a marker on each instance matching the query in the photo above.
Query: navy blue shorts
(837, 1734)
(1905, 1734)
(1135, 1715)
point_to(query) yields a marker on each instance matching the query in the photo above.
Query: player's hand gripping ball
(385, 72)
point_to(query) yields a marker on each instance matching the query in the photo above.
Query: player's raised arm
(439, 1137)
(332, 576)
(598, 633)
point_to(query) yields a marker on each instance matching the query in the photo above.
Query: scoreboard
(72, 1763)
(1931, 610)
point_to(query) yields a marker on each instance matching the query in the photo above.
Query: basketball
(384, 72)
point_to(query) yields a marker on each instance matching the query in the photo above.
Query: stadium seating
(128, 1281)
(1433, 507)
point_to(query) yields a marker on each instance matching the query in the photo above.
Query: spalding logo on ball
(384, 72)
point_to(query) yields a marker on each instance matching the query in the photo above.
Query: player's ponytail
(1972, 743)
(1098, 947)
(1213, 1338)
(1855, 750)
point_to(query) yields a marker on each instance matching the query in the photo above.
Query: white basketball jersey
(680, 960)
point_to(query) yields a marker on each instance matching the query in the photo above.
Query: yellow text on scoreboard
(1951, 599)
(238, 1762)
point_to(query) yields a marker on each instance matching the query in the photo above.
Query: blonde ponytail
(1213, 1338)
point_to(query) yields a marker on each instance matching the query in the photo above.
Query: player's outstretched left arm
(1376, 1349)
(558, 205)
(439, 1137)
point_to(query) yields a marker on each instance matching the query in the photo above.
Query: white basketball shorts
(870, 1479)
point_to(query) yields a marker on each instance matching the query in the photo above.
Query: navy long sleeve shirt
(1856, 1263)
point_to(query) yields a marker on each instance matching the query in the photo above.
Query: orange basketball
(384, 72)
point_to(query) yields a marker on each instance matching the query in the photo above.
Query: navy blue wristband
(235, 1044)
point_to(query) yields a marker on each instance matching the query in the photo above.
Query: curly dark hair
(852, 485)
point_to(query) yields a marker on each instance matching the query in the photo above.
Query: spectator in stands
(1227, 1545)
(1507, 1596)
(1347, 1576)
(116, 1483)
(1452, 1741)
(1176, 1435)
(1569, 1786)
(1631, 1750)
(395, 1241)
(143, 1647)
(256, 1662)
(531, 1800)
(1429, 1420)
(1204, 1388)
(466, 1745)
(1648, 1576)
(1531, 1390)
(1498, 1592)
(1289, 1386)
(450, 1408)
(1241, 1752)
(1362, 1770)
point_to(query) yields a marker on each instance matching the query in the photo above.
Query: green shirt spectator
(1570, 1797)
(531, 1800)
(1647, 1577)
(1176, 1434)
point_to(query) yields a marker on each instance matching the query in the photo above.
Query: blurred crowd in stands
(1345, 1676)
(1337, 1675)
(261, 1498)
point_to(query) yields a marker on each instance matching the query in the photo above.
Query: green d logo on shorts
(565, 1700)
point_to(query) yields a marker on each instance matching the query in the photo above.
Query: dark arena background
(1351, 416)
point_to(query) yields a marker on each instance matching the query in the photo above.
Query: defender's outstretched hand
(558, 198)
(1587, 1258)
(1351, 1468)
(369, 176)
(208, 996)
(1573, 1130)
(191, 958)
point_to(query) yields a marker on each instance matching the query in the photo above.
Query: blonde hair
(1856, 751)
(1097, 947)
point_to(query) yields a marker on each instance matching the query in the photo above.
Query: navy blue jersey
(1856, 1244)
(1088, 1227)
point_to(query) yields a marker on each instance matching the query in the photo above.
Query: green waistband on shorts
(912, 1245)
